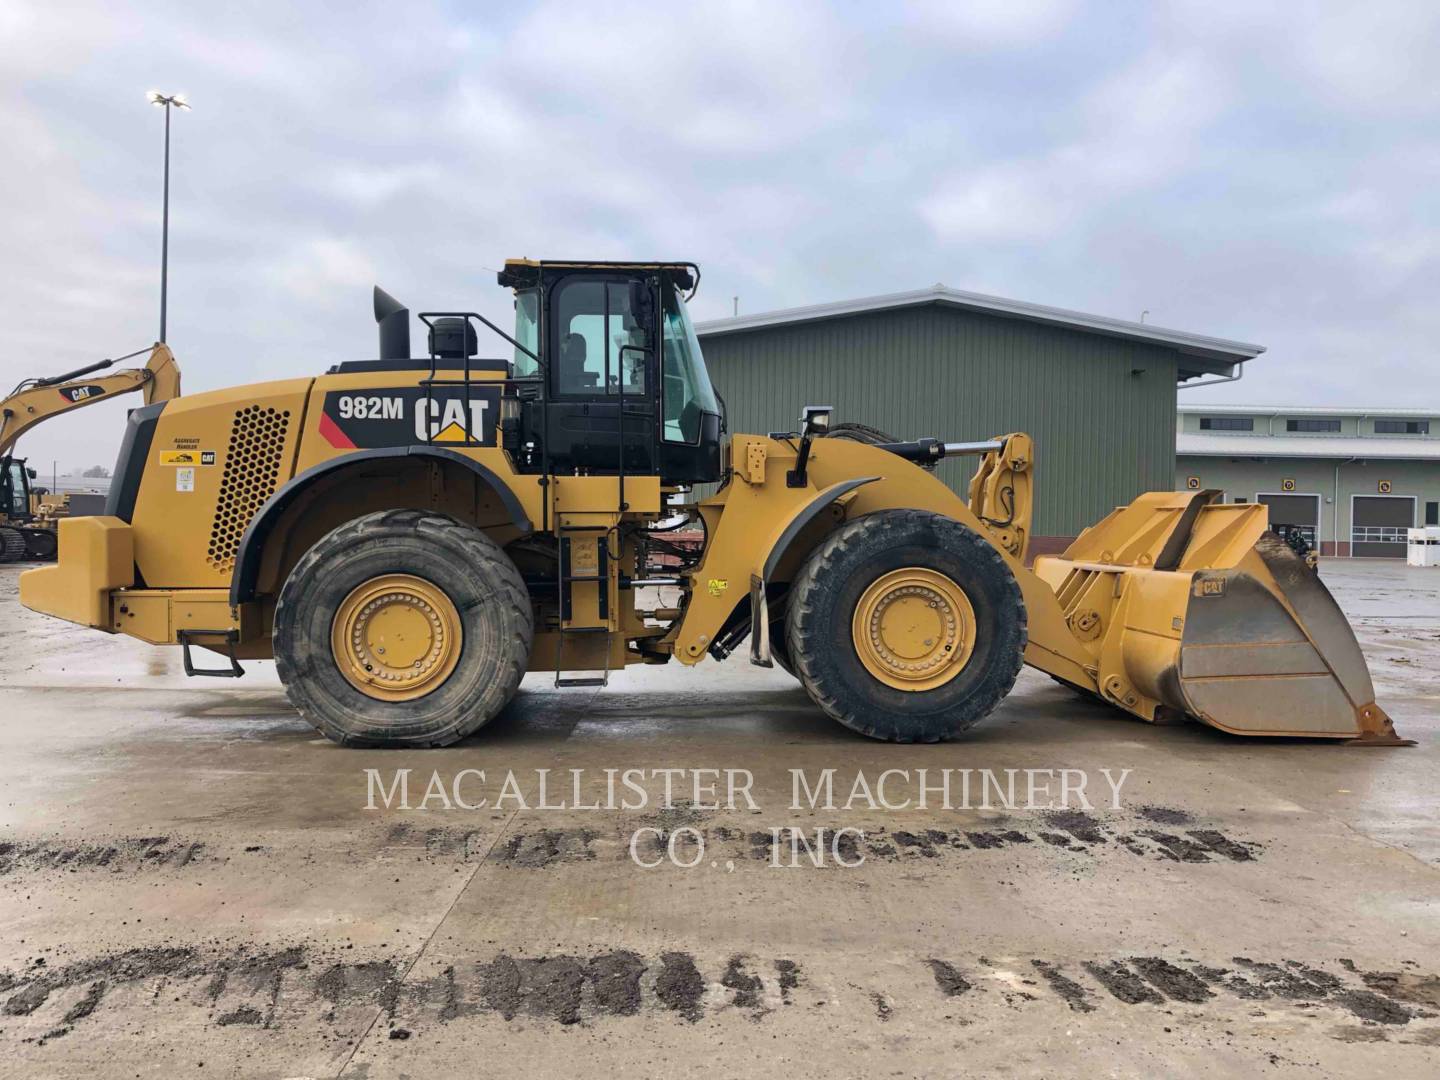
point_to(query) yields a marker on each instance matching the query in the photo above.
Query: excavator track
(12, 544)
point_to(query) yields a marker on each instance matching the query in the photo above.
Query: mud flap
(759, 624)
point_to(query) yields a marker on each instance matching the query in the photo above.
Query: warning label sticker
(184, 479)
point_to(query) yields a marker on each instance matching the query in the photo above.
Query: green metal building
(1097, 394)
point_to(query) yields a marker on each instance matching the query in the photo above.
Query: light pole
(165, 101)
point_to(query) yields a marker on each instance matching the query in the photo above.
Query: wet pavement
(193, 883)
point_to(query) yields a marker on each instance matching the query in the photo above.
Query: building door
(1378, 524)
(1297, 513)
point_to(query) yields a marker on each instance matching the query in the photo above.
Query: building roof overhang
(1201, 354)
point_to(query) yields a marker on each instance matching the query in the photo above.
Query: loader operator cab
(608, 373)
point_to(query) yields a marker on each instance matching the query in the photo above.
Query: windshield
(687, 389)
(527, 332)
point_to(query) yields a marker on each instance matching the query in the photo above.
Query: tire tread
(481, 552)
(838, 551)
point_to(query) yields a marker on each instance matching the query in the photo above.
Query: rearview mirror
(642, 304)
(31, 473)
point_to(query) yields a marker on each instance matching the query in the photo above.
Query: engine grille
(252, 472)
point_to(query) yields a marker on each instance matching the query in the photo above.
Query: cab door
(601, 361)
(14, 490)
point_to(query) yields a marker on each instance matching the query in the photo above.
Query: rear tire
(955, 692)
(403, 565)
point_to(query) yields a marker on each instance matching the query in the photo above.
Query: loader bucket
(1194, 608)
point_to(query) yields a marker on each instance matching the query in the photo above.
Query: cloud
(322, 269)
(1136, 129)
(1385, 62)
(1006, 202)
(369, 186)
(980, 24)
(1235, 169)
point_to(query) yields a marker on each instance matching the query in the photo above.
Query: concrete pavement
(191, 883)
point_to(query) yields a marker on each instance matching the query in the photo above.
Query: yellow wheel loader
(28, 522)
(408, 537)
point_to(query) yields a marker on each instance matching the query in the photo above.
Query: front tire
(402, 628)
(780, 649)
(906, 626)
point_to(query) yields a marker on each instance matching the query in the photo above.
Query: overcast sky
(1269, 173)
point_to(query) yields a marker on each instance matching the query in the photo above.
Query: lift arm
(35, 400)
(1000, 492)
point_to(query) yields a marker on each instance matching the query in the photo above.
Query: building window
(1402, 427)
(1226, 423)
(1432, 513)
(1312, 425)
(1379, 534)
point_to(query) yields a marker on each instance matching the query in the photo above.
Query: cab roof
(521, 273)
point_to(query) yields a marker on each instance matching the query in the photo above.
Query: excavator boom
(37, 400)
(28, 522)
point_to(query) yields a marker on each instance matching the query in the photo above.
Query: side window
(687, 390)
(527, 332)
(593, 324)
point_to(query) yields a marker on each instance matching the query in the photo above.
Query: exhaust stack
(393, 319)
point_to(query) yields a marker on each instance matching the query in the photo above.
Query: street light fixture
(166, 102)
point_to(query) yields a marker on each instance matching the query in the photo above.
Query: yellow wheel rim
(396, 637)
(914, 629)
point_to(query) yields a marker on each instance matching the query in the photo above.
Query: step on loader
(408, 537)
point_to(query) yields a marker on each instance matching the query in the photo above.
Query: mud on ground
(191, 884)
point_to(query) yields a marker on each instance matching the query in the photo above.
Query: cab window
(687, 390)
(594, 324)
(527, 332)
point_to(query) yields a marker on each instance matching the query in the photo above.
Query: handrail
(426, 317)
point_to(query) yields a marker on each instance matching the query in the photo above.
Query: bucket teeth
(1376, 729)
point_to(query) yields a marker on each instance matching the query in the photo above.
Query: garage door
(1300, 513)
(1378, 524)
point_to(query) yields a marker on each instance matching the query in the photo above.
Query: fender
(784, 537)
(252, 544)
(807, 513)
